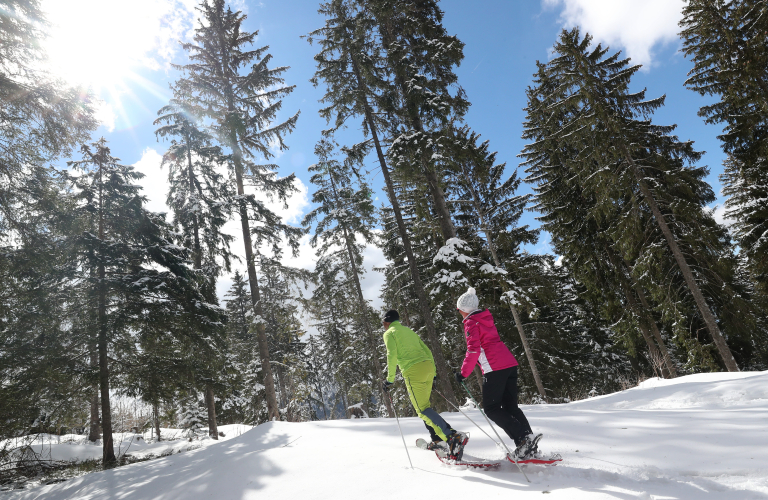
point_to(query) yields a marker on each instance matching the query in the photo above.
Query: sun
(102, 44)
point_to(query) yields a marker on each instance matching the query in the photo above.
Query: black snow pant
(500, 403)
(432, 433)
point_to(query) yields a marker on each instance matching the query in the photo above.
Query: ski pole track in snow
(700, 436)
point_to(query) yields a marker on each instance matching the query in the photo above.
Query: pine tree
(490, 205)
(243, 108)
(43, 331)
(42, 119)
(726, 41)
(419, 57)
(348, 63)
(344, 213)
(139, 276)
(200, 199)
(631, 159)
(192, 417)
(281, 299)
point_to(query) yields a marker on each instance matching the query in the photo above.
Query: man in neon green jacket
(406, 349)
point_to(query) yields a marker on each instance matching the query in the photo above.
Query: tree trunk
(156, 420)
(108, 451)
(437, 352)
(197, 258)
(93, 432)
(698, 296)
(479, 379)
(643, 315)
(210, 403)
(655, 329)
(261, 336)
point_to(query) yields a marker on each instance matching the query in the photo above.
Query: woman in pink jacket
(484, 347)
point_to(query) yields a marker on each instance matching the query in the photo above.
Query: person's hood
(484, 317)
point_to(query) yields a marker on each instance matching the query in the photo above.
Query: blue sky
(503, 40)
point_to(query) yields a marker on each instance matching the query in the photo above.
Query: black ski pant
(500, 403)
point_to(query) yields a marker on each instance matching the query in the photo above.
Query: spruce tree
(349, 64)
(200, 198)
(630, 157)
(491, 208)
(141, 278)
(281, 299)
(344, 213)
(233, 84)
(419, 57)
(42, 119)
(727, 43)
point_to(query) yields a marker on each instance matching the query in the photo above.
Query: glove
(385, 386)
(459, 377)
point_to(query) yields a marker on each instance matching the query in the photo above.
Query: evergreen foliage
(234, 87)
(640, 185)
(140, 280)
(728, 45)
(344, 219)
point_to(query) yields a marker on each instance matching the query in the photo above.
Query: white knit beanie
(468, 302)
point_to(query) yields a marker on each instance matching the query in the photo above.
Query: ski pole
(467, 416)
(489, 436)
(509, 454)
(401, 429)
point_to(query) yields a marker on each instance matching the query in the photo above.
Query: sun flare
(102, 44)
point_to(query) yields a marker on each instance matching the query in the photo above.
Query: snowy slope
(701, 436)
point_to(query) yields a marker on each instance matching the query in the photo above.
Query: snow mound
(703, 390)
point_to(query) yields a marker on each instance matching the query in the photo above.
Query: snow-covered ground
(701, 436)
(139, 446)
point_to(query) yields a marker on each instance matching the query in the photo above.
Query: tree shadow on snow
(224, 470)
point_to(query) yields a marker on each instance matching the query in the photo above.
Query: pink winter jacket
(484, 346)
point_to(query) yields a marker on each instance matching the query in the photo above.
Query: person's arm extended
(391, 344)
(473, 351)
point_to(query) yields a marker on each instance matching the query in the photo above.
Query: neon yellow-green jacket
(404, 348)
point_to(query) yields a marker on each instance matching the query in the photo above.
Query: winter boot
(528, 447)
(456, 442)
(438, 446)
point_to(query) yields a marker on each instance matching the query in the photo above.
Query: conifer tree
(631, 158)
(490, 205)
(726, 41)
(141, 278)
(281, 299)
(344, 213)
(192, 418)
(419, 57)
(348, 64)
(42, 119)
(200, 199)
(242, 96)
(44, 343)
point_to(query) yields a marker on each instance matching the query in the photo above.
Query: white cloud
(718, 212)
(105, 115)
(637, 26)
(155, 182)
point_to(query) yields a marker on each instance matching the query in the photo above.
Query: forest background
(103, 297)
